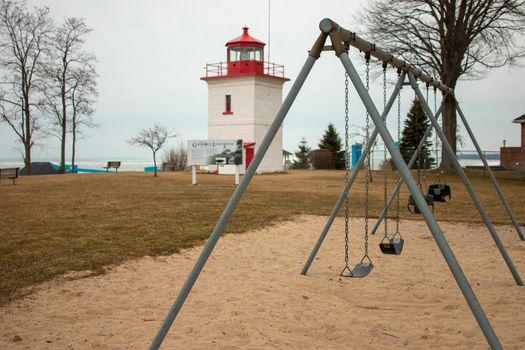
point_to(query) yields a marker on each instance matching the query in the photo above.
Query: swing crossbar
(351, 38)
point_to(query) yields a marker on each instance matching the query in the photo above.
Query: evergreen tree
(302, 161)
(332, 141)
(416, 124)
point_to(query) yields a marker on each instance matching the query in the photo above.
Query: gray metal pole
(352, 178)
(466, 182)
(400, 181)
(442, 243)
(232, 204)
(491, 174)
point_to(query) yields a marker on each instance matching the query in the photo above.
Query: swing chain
(385, 173)
(437, 138)
(367, 140)
(399, 147)
(385, 65)
(347, 167)
(421, 167)
(419, 170)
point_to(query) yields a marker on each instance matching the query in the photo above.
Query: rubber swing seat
(394, 246)
(439, 192)
(362, 270)
(359, 271)
(412, 207)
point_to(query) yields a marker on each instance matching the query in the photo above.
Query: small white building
(244, 95)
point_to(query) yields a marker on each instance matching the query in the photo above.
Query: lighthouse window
(228, 104)
(258, 54)
(234, 54)
(245, 53)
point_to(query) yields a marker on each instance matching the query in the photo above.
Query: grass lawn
(59, 223)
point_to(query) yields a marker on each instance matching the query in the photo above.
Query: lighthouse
(244, 95)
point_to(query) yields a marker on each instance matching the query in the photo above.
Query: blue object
(357, 151)
(149, 169)
(86, 170)
(68, 168)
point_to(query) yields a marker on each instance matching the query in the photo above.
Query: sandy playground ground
(251, 296)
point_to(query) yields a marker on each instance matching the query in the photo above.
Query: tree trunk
(64, 127)
(63, 150)
(449, 128)
(155, 163)
(73, 140)
(27, 159)
(28, 141)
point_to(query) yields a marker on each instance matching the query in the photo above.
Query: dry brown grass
(58, 223)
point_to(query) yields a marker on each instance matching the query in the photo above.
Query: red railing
(215, 70)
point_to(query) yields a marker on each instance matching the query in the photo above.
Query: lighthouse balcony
(244, 68)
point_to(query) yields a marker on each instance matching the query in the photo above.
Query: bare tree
(23, 39)
(65, 58)
(176, 158)
(82, 98)
(448, 39)
(153, 138)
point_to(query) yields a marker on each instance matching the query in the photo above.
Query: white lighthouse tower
(244, 94)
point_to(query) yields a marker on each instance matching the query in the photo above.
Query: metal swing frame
(339, 37)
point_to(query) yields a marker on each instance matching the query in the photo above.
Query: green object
(302, 161)
(415, 126)
(332, 141)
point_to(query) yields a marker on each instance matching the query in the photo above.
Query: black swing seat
(439, 192)
(412, 207)
(393, 246)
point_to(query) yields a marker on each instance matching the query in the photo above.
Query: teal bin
(149, 169)
(357, 151)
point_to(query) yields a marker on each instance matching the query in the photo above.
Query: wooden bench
(112, 164)
(9, 173)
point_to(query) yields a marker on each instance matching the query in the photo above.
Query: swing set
(341, 40)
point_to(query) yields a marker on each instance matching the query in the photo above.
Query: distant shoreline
(138, 164)
(127, 164)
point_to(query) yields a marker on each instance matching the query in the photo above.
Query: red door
(249, 156)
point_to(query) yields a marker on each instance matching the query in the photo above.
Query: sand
(251, 296)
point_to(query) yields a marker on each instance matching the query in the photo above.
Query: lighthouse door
(249, 156)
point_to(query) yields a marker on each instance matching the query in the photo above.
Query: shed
(514, 157)
(41, 168)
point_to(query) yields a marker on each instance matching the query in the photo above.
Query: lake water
(130, 164)
(465, 157)
(138, 164)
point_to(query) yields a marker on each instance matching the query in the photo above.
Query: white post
(193, 175)
(237, 172)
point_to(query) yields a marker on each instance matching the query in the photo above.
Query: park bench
(9, 173)
(112, 164)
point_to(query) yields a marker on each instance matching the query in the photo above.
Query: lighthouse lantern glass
(245, 53)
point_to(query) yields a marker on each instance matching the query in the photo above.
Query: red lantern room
(245, 56)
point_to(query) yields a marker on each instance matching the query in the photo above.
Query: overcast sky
(152, 54)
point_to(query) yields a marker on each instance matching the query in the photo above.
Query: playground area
(100, 264)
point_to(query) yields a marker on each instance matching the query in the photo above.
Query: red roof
(245, 38)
